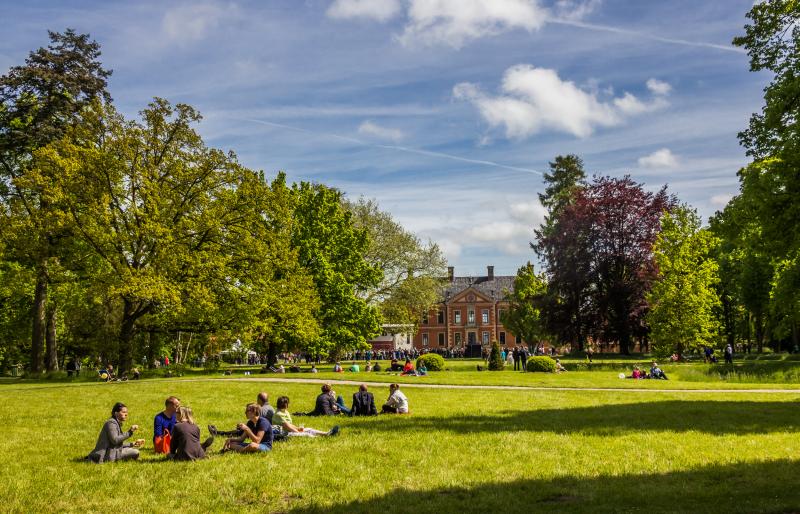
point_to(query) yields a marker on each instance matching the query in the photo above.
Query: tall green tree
(770, 185)
(683, 299)
(39, 102)
(525, 315)
(144, 196)
(334, 252)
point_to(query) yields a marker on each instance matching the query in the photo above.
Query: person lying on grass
(185, 444)
(111, 445)
(397, 403)
(257, 429)
(283, 419)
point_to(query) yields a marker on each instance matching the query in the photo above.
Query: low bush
(541, 363)
(433, 361)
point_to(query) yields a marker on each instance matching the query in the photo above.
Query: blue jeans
(342, 407)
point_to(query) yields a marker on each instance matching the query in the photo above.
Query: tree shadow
(713, 417)
(740, 487)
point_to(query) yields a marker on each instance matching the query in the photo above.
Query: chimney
(450, 272)
(490, 272)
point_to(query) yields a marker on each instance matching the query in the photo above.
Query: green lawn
(460, 450)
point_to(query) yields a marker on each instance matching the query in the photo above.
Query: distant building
(394, 337)
(468, 315)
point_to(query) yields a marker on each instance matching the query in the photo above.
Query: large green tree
(39, 102)
(683, 299)
(334, 252)
(145, 197)
(525, 315)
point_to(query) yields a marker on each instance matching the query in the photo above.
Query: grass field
(460, 451)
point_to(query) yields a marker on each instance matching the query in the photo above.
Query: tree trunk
(272, 354)
(39, 319)
(51, 354)
(759, 332)
(126, 338)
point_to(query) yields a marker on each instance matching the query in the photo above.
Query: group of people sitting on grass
(394, 366)
(655, 373)
(176, 434)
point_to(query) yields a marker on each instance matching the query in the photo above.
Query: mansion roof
(490, 286)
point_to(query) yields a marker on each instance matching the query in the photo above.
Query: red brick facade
(469, 314)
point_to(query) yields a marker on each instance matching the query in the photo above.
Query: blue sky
(445, 111)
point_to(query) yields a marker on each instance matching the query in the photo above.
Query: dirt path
(500, 387)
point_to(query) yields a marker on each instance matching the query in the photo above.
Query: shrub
(433, 361)
(541, 363)
(495, 359)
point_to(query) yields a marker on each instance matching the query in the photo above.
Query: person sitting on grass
(326, 404)
(314, 368)
(377, 367)
(559, 367)
(637, 373)
(258, 429)
(422, 370)
(397, 403)
(368, 367)
(185, 444)
(363, 403)
(111, 445)
(656, 373)
(395, 366)
(408, 368)
(283, 419)
(267, 410)
(354, 368)
(337, 368)
(164, 422)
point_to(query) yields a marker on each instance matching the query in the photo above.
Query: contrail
(405, 149)
(685, 42)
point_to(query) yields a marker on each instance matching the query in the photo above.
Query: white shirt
(398, 400)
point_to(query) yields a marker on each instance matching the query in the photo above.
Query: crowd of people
(176, 434)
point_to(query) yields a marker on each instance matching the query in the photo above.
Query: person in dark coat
(325, 404)
(185, 444)
(364, 403)
(515, 353)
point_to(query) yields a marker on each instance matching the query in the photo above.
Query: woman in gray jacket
(111, 443)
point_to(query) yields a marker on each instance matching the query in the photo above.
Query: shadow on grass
(713, 417)
(741, 487)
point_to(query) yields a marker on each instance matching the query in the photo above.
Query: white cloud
(662, 158)
(631, 106)
(498, 231)
(658, 87)
(193, 22)
(369, 128)
(575, 10)
(535, 99)
(379, 10)
(455, 22)
(531, 213)
(720, 200)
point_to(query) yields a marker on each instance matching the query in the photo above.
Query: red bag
(162, 442)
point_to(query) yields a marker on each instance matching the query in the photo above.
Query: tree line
(624, 265)
(117, 235)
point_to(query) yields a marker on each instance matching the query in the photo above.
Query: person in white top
(397, 403)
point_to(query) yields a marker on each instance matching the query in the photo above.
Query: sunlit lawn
(460, 450)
